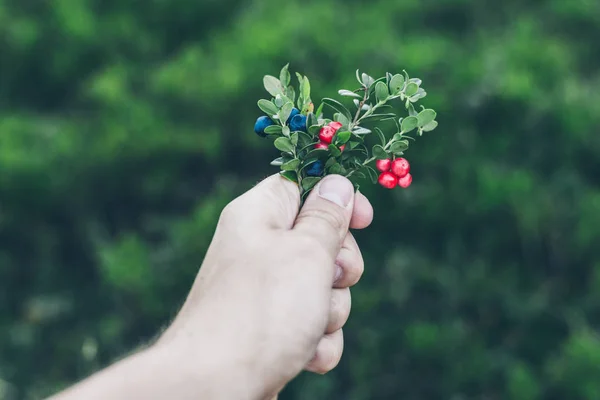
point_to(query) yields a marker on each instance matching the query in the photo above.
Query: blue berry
(315, 169)
(298, 123)
(294, 112)
(261, 124)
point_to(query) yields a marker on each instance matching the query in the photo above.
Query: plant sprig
(313, 145)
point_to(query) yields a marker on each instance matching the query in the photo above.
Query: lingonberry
(326, 134)
(261, 124)
(321, 145)
(387, 180)
(383, 165)
(405, 181)
(400, 167)
(294, 112)
(335, 125)
(315, 169)
(342, 147)
(298, 123)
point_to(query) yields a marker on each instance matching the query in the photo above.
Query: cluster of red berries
(394, 173)
(326, 135)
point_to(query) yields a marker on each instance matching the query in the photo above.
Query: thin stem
(360, 106)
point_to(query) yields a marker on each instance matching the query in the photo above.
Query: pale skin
(269, 301)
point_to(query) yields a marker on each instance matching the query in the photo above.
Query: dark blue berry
(315, 169)
(298, 123)
(261, 124)
(294, 112)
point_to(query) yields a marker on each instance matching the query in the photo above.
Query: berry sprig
(313, 145)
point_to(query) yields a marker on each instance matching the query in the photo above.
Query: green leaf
(290, 176)
(397, 83)
(426, 116)
(358, 77)
(409, 123)
(294, 139)
(279, 101)
(284, 144)
(411, 110)
(314, 129)
(381, 91)
(337, 106)
(352, 145)
(341, 118)
(342, 137)
(334, 150)
(305, 90)
(381, 136)
(399, 146)
(273, 130)
(411, 89)
(277, 162)
(361, 131)
(290, 93)
(378, 117)
(319, 154)
(379, 152)
(430, 126)
(348, 93)
(373, 175)
(285, 130)
(285, 112)
(319, 110)
(272, 85)
(330, 162)
(309, 182)
(291, 165)
(337, 169)
(311, 119)
(367, 80)
(359, 175)
(284, 76)
(267, 107)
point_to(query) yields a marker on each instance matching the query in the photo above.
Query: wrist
(207, 370)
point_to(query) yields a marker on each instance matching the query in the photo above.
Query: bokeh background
(126, 126)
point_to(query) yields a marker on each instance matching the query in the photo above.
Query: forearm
(167, 373)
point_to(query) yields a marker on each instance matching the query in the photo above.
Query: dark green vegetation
(119, 121)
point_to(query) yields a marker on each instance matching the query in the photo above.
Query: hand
(270, 299)
(272, 292)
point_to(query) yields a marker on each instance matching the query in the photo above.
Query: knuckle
(334, 220)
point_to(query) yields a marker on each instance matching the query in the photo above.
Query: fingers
(349, 264)
(273, 203)
(328, 354)
(326, 214)
(339, 309)
(362, 214)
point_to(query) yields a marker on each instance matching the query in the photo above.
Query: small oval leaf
(411, 89)
(399, 147)
(272, 85)
(348, 93)
(409, 123)
(430, 126)
(379, 152)
(381, 91)
(397, 84)
(426, 116)
(284, 144)
(290, 165)
(267, 107)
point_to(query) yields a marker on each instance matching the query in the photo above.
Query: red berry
(383, 165)
(405, 181)
(326, 134)
(400, 167)
(342, 147)
(388, 180)
(321, 145)
(335, 125)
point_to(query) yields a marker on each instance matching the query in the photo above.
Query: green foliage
(125, 129)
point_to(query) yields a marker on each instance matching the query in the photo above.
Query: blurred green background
(125, 127)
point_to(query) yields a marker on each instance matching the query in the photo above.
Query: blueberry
(294, 112)
(261, 124)
(315, 169)
(298, 123)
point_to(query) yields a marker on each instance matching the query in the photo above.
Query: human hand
(273, 292)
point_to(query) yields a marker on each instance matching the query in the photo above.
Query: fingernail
(336, 189)
(338, 274)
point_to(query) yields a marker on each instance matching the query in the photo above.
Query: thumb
(327, 211)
